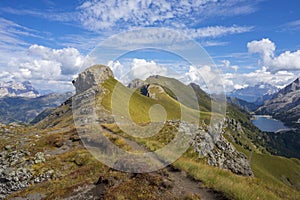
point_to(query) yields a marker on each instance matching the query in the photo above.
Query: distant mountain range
(256, 94)
(284, 105)
(21, 102)
(24, 109)
(18, 89)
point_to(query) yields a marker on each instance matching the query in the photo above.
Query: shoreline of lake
(268, 124)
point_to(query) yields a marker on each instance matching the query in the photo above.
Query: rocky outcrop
(17, 170)
(136, 83)
(92, 77)
(152, 90)
(212, 145)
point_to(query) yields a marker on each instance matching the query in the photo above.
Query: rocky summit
(92, 77)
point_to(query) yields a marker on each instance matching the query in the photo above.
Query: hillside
(285, 105)
(225, 161)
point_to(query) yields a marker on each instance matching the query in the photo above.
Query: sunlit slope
(187, 95)
(142, 109)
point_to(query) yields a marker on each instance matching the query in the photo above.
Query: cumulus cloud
(136, 68)
(286, 61)
(143, 69)
(227, 65)
(68, 59)
(208, 77)
(49, 66)
(241, 80)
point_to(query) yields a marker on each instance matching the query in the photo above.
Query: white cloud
(238, 86)
(69, 59)
(217, 31)
(208, 77)
(227, 65)
(286, 61)
(142, 69)
(136, 68)
(264, 47)
(241, 80)
(47, 67)
(122, 15)
(293, 25)
(213, 43)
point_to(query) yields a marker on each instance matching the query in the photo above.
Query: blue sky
(48, 42)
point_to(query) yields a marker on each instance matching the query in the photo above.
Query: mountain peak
(18, 89)
(255, 94)
(136, 83)
(294, 86)
(91, 77)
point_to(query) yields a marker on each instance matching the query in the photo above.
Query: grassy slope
(139, 105)
(262, 186)
(184, 92)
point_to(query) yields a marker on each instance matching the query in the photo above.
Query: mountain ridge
(256, 94)
(18, 89)
(284, 105)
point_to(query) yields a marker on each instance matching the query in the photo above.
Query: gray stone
(218, 151)
(92, 77)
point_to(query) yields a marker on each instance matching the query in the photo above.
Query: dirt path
(183, 184)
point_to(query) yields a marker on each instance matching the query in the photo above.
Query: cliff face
(285, 105)
(212, 145)
(92, 77)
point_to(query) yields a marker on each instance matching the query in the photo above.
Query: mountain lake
(268, 124)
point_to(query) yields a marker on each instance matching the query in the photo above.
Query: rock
(151, 90)
(91, 77)
(75, 137)
(39, 158)
(136, 83)
(218, 151)
(8, 147)
(166, 183)
(80, 159)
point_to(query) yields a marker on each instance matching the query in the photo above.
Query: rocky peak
(91, 77)
(136, 83)
(18, 89)
(294, 86)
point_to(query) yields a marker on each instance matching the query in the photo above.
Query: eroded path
(181, 185)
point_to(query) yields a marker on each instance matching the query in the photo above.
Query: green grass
(276, 169)
(234, 186)
(183, 93)
(140, 105)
